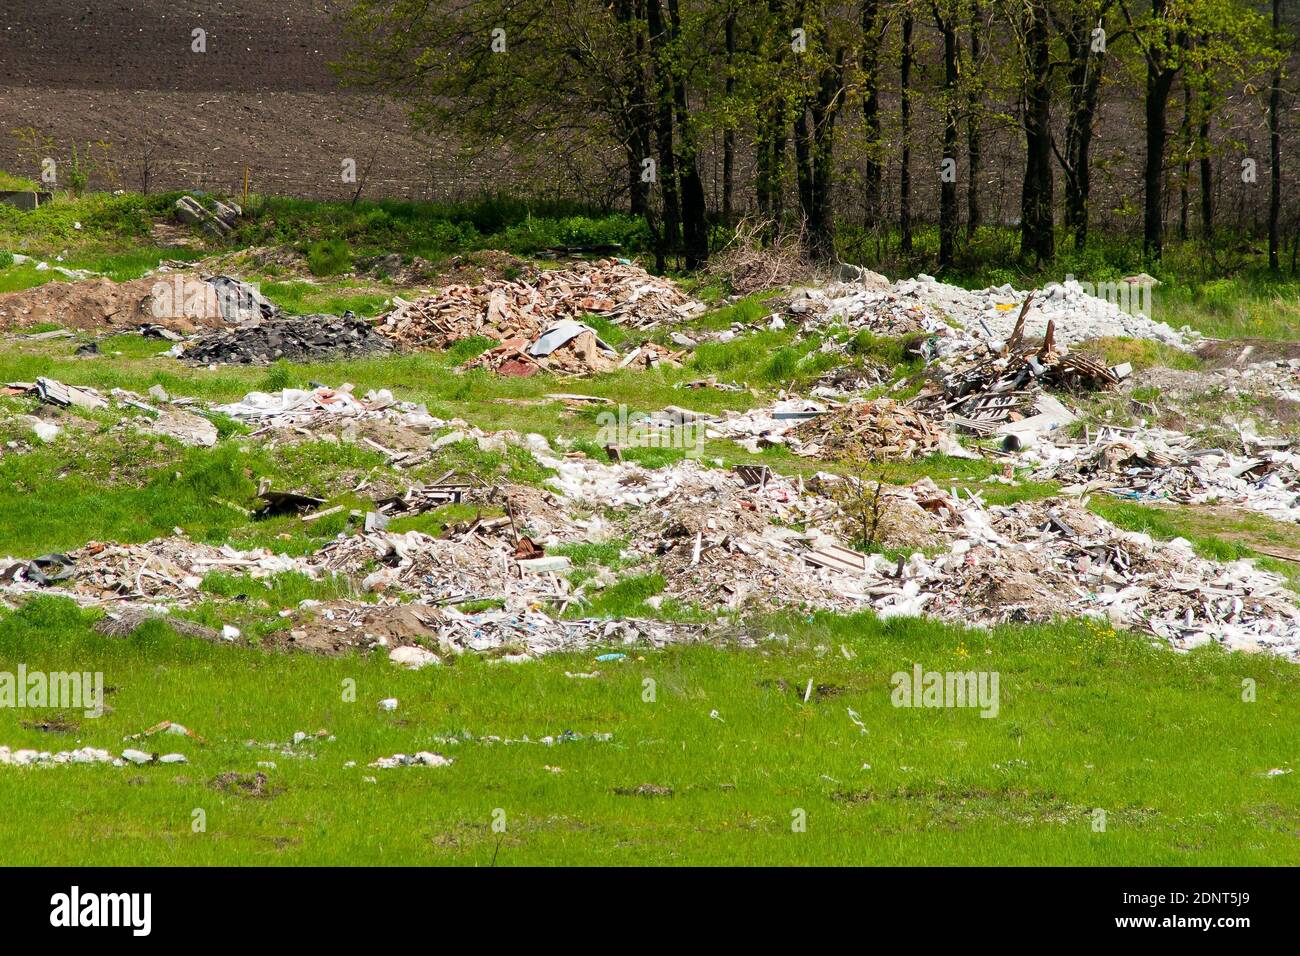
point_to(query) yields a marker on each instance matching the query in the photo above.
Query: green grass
(1088, 719)
(8, 181)
(335, 298)
(1234, 308)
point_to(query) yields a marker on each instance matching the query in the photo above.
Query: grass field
(714, 769)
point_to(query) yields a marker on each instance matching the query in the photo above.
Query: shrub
(329, 257)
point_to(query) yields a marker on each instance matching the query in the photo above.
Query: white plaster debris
(424, 758)
(298, 407)
(1156, 464)
(83, 755)
(924, 304)
(413, 657)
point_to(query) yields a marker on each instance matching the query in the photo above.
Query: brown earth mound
(100, 304)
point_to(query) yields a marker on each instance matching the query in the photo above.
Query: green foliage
(329, 257)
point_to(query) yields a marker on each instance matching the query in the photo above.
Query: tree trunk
(769, 179)
(636, 132)
(905, 135)
(729, 134)
(873, 168)
(666, 174)
(1160, 80)
(1207, 168)
(1037, 240)
(1275, 150)
(973, 143)
(1185, 168)
(1084, 82)
(695, 213)
(947, 182)
(814, 144)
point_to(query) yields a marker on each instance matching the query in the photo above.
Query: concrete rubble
(164, 569)
(158, 414)
(717, 540)
(874, 429)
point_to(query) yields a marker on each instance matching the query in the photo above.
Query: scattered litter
(82, 755)
(422, 759)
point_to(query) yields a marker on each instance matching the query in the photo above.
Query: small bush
(329, 257)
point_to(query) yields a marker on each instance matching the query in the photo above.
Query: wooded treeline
(799, 113)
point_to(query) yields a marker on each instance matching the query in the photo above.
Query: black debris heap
(295, 338)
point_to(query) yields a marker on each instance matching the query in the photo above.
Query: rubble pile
(1155, 464)
(163, 416)
(297, 339)
(718, 538)
(166, 416)
(992, 384)
(1036, 560)
(1278, 379)
(407, 632)
(567, 348)
(924, 304)
(760, 428)
(164, 569)
(877, 430)
(860, 307)
(503, 309)
(444, 571)
(724, 539)
(311, 411)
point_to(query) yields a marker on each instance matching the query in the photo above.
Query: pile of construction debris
(1160, 465)
(311, 409)
(723, 539)
(164, 569)
(420, 635)
(299, 338)
(161, 416)
(566, 348)
(858, 430)
(521, 313)
(876, 430)
(924, 304)
(993, 384)
(1036, 560)
(862, 307)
